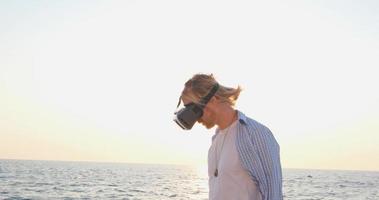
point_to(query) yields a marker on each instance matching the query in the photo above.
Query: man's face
(208, 117)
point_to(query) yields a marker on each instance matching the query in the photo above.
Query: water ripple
(81, 180)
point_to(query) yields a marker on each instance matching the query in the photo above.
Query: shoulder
(251, 124)
(255, 130)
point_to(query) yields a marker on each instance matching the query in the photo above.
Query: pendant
(216, 173)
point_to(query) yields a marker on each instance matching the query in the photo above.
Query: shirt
(233, 181)
(259, 153)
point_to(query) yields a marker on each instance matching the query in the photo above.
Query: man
(243, 160)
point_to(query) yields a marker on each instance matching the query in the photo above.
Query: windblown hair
(200, 85)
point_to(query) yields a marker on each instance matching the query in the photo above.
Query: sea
(26, 179)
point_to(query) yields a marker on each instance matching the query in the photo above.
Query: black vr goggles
(187, 116)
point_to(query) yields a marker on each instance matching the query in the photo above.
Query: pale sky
(99, 80)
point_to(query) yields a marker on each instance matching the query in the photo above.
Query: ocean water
(20, 179)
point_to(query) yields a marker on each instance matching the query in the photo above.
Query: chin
(209, 126)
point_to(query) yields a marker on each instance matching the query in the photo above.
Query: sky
(100, 80)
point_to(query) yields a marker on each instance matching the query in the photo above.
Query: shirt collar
(241, 117)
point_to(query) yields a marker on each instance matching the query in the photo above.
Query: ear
(215, 99)
(212, 105)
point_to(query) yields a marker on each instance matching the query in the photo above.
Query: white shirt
(233, 181)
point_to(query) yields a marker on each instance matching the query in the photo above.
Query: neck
(226, 117)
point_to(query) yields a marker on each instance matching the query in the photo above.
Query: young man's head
(199, 86)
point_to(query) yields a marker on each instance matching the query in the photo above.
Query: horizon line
(172, 164)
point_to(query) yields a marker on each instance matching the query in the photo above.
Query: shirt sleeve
(263, 161)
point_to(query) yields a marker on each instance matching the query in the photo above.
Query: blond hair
(200, 85)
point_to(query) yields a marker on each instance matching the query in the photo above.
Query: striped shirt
(260, 156)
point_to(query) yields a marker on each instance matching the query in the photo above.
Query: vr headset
(187, 116)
